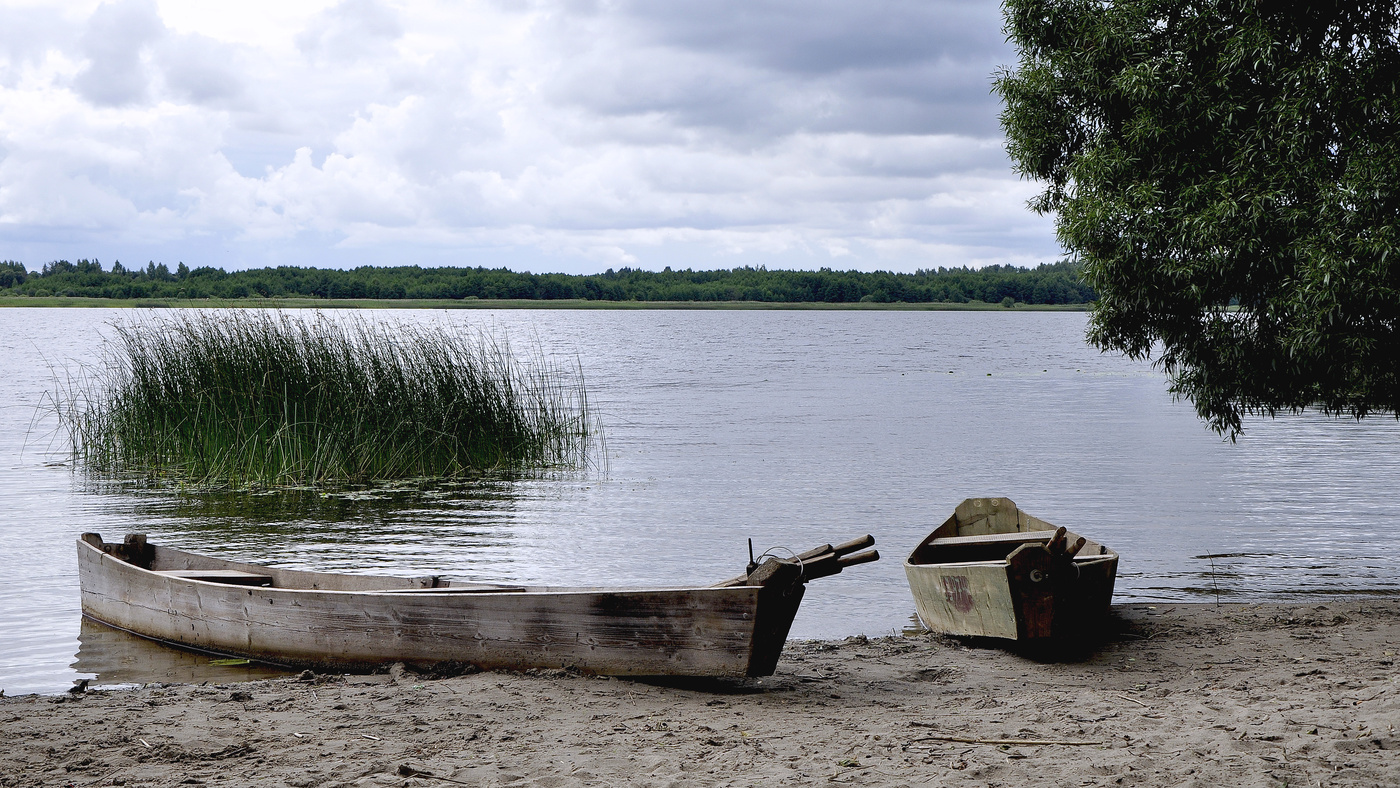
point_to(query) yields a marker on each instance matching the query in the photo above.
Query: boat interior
(169, 561)
(137, 551)
(988, 530)
(994, 548)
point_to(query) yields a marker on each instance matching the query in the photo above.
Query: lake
(793, 428)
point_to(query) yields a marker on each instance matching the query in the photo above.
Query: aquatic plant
(259, 398)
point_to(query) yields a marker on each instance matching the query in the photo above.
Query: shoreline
(1177, 693)
(519, 303)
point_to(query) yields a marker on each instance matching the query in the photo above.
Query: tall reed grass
(251, 398)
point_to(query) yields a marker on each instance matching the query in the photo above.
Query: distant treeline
(1051, 283)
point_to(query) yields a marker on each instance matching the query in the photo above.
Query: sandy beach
(1176, 695)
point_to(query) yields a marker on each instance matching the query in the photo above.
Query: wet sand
(1177, 694)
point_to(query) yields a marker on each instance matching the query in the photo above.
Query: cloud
(894, 66)
(825, 36)
(25, 36)
(115, 43)
(352, 30)
(555, 135)
(199, 70)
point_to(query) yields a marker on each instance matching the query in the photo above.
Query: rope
(769, 554)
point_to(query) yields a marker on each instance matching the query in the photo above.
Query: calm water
(793, 428)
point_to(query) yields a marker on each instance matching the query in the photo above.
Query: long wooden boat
(991, 570)
(353, 622)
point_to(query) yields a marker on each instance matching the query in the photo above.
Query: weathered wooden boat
(994, 571)
(353, 622)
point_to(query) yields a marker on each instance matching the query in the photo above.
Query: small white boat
(991, 570)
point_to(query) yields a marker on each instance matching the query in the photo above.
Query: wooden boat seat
(982, 547)
(231, 577)
(989, 548)
(1002, 561)
(1015, 538)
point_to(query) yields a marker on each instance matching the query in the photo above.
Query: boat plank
(970, 599)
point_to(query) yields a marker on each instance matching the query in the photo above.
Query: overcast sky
(542, 135)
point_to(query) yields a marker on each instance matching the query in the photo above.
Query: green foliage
(1057, 283)
(12, 274)
(1228, 175)
(235, 397)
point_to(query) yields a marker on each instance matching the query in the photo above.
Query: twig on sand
(979, 740)
(107, 778)
(1138, 702)
(408, 771)
(1026, 742)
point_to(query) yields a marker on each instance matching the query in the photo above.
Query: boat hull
(346, 622)
(986, 573)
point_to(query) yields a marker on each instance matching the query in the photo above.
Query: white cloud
(352, 30)
(547, 135)
(197, 69)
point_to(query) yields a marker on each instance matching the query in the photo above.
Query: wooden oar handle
(820, 567)
(831, 564)
(818, 562)
(859, 558)
(854, 545)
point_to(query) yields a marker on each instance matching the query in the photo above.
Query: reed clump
(254, 398)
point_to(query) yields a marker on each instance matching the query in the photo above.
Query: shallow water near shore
(791, 428)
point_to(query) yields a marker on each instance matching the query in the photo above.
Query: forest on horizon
(1049, 283)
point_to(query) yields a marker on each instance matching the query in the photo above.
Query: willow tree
(1228, 175)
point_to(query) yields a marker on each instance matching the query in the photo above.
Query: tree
(1228, 174)
(12, 273)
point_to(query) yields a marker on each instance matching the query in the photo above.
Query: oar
(858, 558)
(854, 545)
(821, 561)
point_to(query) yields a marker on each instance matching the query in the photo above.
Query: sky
(550, 136)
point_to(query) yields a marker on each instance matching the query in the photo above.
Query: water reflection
(113, 657)
(914, 627)
(419, 526)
